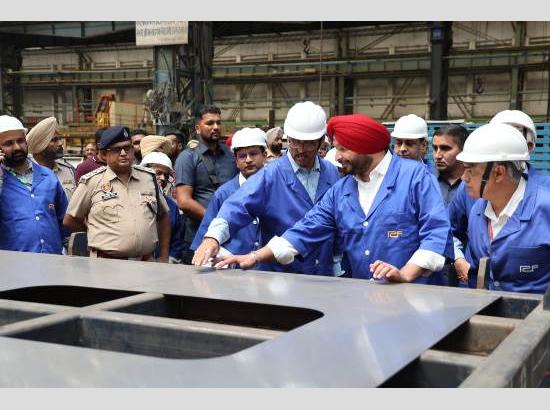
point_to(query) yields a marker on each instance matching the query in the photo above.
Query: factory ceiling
(75, 33)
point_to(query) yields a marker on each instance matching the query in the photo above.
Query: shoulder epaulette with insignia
(149, 170)
(84, 178)
(64, 163)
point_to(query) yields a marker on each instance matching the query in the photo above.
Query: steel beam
(521, 359)
(516, 85)
(441, 41)
(11, 95)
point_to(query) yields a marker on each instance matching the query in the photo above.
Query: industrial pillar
(271, 105)
(520, 31)
(302, 91)
(345, 84)
(239, 98)
(164, 82)
(332, 95)
(441, 40)
(74, 97)
(182, 79)
(340, 100)
(349, 87)
(55, 100)
(11, 95)
(516, 83)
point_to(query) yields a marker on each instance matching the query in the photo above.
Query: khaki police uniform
(65, 173)
(121, 219)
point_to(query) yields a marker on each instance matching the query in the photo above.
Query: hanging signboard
(161, 33)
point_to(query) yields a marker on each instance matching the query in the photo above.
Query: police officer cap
(113, 135)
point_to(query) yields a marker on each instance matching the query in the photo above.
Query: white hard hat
(156, 158)
(517, 118)
(305, 121)
(248, 137)
(410, 127)
(494, 142)
(331, 157)
(8, 123)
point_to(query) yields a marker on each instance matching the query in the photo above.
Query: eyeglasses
(117, 150)
(309, 145)
(242, 156)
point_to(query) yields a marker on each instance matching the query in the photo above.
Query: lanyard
(490, 230)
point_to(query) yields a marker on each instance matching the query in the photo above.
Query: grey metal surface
(521, 359)
(367, 333)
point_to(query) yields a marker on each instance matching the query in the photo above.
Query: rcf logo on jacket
(395, 234)
(528, 268)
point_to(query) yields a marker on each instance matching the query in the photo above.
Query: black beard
(59, 153)
(50, 155)
(15, 159)
(137, 155)
(276, 148)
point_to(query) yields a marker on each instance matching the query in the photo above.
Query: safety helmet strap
(485, 178)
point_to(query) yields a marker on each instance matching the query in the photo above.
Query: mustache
(15, 158)
(16, 155)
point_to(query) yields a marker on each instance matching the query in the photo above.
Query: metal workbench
(80, 322)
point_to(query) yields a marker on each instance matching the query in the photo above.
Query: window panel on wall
(535, 98)
(372, 96)
(225, 97)
(491, 93)
(538, 32)
(459, 104)
(38, 103)
(255, 106)
(413, 99)
(132, 95)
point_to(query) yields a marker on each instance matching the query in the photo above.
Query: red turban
(229, 140)
(358, 133)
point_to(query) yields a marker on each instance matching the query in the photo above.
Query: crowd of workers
(340, 200)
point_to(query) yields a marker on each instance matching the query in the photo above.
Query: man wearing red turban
(387, 210)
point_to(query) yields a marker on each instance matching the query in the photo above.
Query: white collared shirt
(242, 179)
(368, 190)
(498, 222)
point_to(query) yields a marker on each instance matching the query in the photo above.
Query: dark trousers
(189, 229)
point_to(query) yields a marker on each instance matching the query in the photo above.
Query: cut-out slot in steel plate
(76, 296)
(255, 315)
(124, 333)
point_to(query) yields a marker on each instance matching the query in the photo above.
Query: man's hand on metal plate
(244, 261)
(384, 270)
(462, 267)
(208, 249)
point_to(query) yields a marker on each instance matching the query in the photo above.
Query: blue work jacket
(459, 209)
(175, 225)
(432, 169)
(245, 239)
(462, 204)
(276, 196)
(32, 220)
(541, 178)
(520, 253)
(407, 214)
